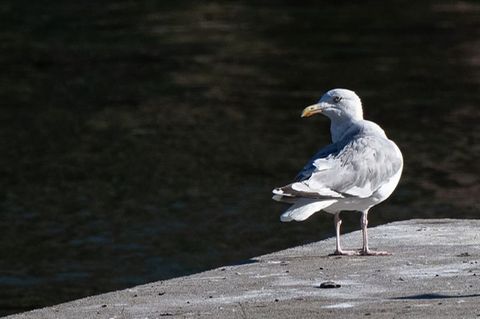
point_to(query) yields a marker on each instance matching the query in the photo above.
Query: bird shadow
(434, 296)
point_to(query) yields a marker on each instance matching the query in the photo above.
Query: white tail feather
(304, 208)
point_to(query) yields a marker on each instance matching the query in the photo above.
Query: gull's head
(337, 104)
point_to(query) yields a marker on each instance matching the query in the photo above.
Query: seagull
(358, 170)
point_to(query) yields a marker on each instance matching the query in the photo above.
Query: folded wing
(356, 166)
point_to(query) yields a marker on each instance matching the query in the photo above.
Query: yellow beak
(310, 110)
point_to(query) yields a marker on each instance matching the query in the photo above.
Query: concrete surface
(434, 272)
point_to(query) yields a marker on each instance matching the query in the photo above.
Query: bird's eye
(337, 99)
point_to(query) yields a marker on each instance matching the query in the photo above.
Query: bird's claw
(345, 253)
(368, 252)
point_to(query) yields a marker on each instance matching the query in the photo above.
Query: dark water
(140, 141)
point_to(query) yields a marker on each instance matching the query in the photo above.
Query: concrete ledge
(434, 273)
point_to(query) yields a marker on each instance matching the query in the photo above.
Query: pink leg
(365, 250)
(338, 250)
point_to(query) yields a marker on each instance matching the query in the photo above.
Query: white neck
(339, 126)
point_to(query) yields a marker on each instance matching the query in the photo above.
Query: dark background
(140, 140)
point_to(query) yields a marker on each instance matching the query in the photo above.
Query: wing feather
(355, 166)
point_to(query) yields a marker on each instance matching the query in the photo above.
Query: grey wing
(361, 167)
(320, 161)
(325, 157)
(357, 169)
(310, 167)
